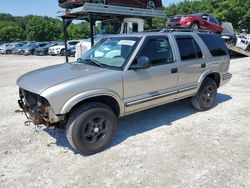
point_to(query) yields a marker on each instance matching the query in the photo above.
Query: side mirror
(142, 63)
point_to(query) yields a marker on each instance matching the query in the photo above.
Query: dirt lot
(169, 146)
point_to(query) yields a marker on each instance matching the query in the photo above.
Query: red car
(149, 4)
(196, 21)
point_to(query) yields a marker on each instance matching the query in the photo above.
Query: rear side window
(215, 44)
(188, 47)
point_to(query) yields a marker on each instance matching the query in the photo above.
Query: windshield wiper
(91, 61)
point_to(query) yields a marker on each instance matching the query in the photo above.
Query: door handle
(203, 65)
(174, 70)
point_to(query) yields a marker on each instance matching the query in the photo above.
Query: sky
(39, 7)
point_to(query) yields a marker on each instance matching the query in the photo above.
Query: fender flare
(90, 94)
(204, 75)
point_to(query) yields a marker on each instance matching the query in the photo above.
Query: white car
(243, 42)
(60, 48)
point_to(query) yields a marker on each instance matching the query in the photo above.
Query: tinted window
(158, 50)
(188, 47)
(213, 20)
(215, 44)
(73, 43)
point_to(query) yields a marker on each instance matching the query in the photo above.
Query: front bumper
(55, 52)
(37, 108)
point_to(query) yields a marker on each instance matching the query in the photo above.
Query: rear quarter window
(215, 44)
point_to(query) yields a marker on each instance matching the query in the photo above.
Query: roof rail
(183, 29)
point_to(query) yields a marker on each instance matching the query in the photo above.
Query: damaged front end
(37, 108)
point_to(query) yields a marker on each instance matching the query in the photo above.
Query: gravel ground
(169, 146)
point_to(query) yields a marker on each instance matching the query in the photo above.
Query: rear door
(150, 87)
(192, 64)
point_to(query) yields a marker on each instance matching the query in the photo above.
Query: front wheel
(62, 53)
(91, 127)
(206, 95)
(151, 5)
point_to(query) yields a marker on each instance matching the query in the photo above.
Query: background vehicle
(10, 47)
(72, 51)
(149, 4)
(3, 46)
(196, 21)
(228, 34)
(243, 42)
(60, 48)
(44, 50)
(30, 50)
(122, 75)
(19, 50)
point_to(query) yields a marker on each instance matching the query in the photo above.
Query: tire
(62, 53)
(195, 26)
(206, 96)
(151, 5)
(91, 127)
(8, 52)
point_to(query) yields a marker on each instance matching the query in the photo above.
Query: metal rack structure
(92, 12)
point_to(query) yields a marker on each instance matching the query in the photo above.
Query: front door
(144, 88)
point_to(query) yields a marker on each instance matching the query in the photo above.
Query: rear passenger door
(191, 64)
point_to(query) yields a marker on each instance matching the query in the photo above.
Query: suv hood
(39, 80)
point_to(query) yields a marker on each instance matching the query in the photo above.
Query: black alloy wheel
(206, 95)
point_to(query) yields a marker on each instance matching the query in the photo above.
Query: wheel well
(196, 22)
(108, 100)
(215, 77)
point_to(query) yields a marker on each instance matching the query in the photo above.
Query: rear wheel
(151, 5)
(8, 52)
(206, 95)
(91, 127)
(195, 26)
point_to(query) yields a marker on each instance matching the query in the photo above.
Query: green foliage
(40, 28)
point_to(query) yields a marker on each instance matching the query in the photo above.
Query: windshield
(112, 52)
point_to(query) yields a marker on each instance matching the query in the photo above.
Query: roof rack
(101, 12)
(183, 29)
(93, 11)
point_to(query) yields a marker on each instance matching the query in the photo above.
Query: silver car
(121, 75)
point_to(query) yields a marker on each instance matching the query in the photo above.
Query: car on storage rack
(196, 21)
(149, 4)
(60, 48)
(121, 75)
